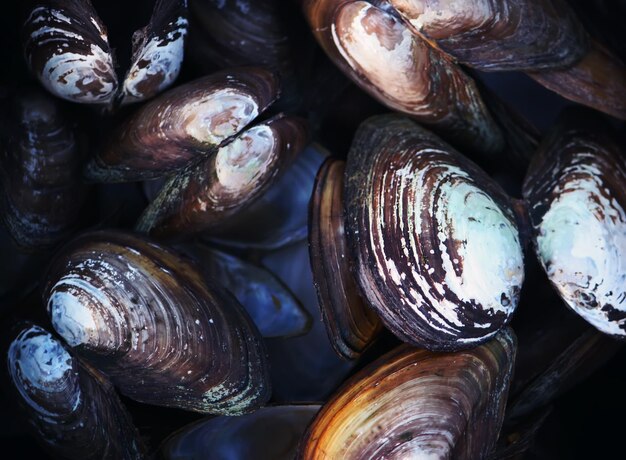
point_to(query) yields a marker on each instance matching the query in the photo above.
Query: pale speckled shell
(66, 46)
(417, 404)
(575, 192)
(435, 240)
(147, 318)
(73, 410)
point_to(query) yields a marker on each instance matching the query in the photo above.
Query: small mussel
(40, 172)
(434, 239)
(576, 199)
(351, 325)
(72, 408)
(271, 433)
(147, 318)
(413, 403)
(67, 47)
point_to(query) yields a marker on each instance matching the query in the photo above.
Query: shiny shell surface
(435, 240)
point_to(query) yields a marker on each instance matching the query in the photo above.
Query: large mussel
(147, 318)
(435, 240)
(412, 403)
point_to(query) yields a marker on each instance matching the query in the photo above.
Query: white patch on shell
(392, 70)
(239, 164)
(219, 115)
(37, 361)
(582, 244)
(159, 56)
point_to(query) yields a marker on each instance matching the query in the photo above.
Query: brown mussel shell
(413, 403)
(500, 34)
(67, 47)
(146, 317)
(576, 201)
(40, 172)
(402, 71)
(184, 125)
(72, 409)
(435, 241)
(271, 433)
(350, 323)
(205, 196)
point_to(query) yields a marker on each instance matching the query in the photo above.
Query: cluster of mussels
(175, 234)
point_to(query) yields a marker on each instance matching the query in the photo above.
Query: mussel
(412, 403)
(71, 407)
(147, 318)
(574, 189)
(40, 166)
(400, 69)
(434, 239)
(67, 47)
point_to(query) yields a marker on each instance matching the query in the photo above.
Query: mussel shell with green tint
(434, 239)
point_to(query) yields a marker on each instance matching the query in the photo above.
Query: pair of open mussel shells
(66, 45)
(414, 233)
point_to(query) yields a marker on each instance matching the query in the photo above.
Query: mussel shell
(72, 409)
(146, 317)
(271, 433)
(40, 172)
(157, 52)
(597, 81)
(576, 198)
(381, 54)
(272, 306)
(350, 323)
(434, 239)
(501, 34)
(413, 403)
(183, 125)
(66, 46)
(206, 195)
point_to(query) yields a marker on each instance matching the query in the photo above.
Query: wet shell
(205, 196)
(435, 240)
(350, 323)
(381, 54)
(576, 198)
(271, 433)
(72, 409)
(158, 52)
(147, 318)
(40, 171)
(500, 34)
(184, 125)
(66, 46)
(413, 403)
